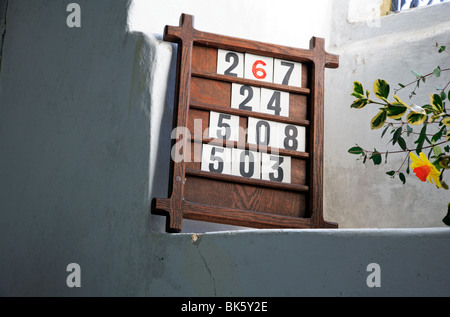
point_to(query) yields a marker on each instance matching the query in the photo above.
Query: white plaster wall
(284, 22)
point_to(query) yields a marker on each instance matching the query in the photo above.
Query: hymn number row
(246, 163)
(263, 68)
(261, 132)
(262, 100)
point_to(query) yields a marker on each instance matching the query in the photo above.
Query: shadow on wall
(160, 74)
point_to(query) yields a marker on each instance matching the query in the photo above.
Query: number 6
(258, 67)
(256, 70)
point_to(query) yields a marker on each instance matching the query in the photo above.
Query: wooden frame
(229, 199)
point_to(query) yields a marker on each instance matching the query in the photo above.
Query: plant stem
(420, 78)
(404, 151)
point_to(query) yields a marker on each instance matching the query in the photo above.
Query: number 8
(291, 134)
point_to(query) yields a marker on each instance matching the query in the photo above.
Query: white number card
(230, 63)
(223, 126)
(287, 73)
(245, 97)
(216, 159)
(246, 163)
(258, 67)
(275, 102)
(275, 168)
(262, 132)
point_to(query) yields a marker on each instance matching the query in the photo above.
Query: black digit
(228, 57)
(249, 97)
(274, 103)
(225, 125)
(217, 159)
(276, 167)
(287, 76)
(291, 134)
(251, 164)
(266, 140)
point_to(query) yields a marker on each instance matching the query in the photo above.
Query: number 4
(287, 73)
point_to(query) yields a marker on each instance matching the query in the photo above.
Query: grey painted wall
(80, 115)
(361, 196)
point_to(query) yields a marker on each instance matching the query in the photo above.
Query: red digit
(256, 70)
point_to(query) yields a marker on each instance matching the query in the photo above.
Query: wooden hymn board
(249, 139)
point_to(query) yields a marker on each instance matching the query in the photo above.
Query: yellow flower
(423, 169)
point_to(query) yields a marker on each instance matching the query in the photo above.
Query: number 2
(249, 97)
(230, 63)
(228, 57)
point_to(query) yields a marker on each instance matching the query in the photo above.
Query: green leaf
(379, 120)
(441, 49)
(356, 150)
(407, 166)
(408, 130)
(438, 135)
(401, 85)
(397, 134)
(391, 173)
(359, 103)
(396, 112)
(437, 150)
(384, 131)
(381, 89)
(436, 101)
(402, 177)
(446, 121)
(437, 71)
(421, 139)
(402, 143)
(358, 88)
(376, 158)
(415, 118)
(446, 219)
(416, 74)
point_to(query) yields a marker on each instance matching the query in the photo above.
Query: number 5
(223, 126)
(216, 159)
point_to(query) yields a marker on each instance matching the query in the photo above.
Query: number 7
(287, 73)
(287, 76)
